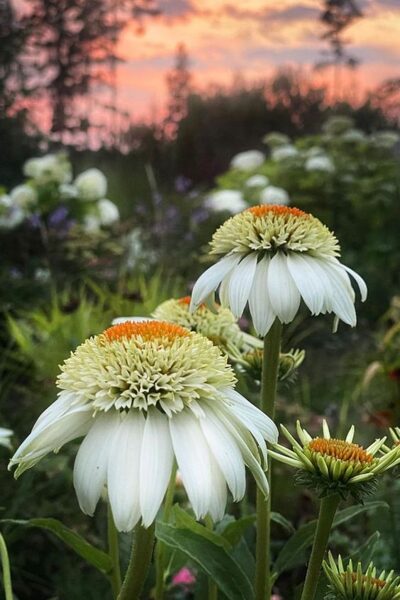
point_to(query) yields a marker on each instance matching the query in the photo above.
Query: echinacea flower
(144, 394)
(354, 583)
(335, 466)
(219, 326)
(272, 257)
(5, 435)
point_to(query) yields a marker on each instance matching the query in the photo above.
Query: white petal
(193, 457)
(245, 410)
(210, 279)
(309, 284)
(43, 440)
(156, 458)
(223, 292)
(360, 282)
(282, 291)
(259, 303)
(225, 451)
(240, 284)
(123, 475)
(90, 469)
(218, 497)
(342, 298)
(64, 402)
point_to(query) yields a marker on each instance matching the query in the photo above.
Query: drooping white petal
(244, 442)
(193, 458)
(210, 279)
(309, 284)
(156, 458)
(226, 452)
(223, 291)
(123, 474)
(250, 413)
(362, 286)
(241, 281)
(90, 468)
(56, 409)
(218, 498)
(43, 440)
(259, 303)
(282, 291)
(342, 297)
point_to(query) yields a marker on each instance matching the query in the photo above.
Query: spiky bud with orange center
(354, 583)
(271, 258)
(144, 394)
(334, 466)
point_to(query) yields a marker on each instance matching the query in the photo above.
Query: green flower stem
(142, 550)
(8, 593)
(113, 551)
(327, 512)
(269, 378)
(212, 586)
(160, 547)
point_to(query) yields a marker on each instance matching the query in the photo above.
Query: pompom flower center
(341, 450)
(270, 229)
(148, 330)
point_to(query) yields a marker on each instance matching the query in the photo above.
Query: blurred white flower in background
(11, 214)
(320, 163)
(91, 223)
(284, 152)
(23, 195)
(5, 435)
(49, 168)
(229, 200)
(91, 185)
(247, 161)
(274, 195)
(257, 181)
(353, 135)
(385, 139)
(315, 151)
(108, 211)
(275, 139)
(68, 191)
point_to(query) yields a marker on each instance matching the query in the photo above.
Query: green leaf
(365, 552)
(213, 559)
(292, 551)
(95, 557)
(184, 521)
(282, 521)
(234, 530)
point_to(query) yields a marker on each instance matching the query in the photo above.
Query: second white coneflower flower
(271, 257)
(144, 394)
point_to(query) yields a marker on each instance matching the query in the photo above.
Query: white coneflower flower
(320, 163)
(91, 185)
(108, 211)
(5, 435)
(226, 200)
(219, 326)
(143, 394)
(271, 258)
(247, 161)
(274, 195)
(257, 181)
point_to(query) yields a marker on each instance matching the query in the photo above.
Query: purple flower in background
(58, 216)
(35, 221)
(200, 215)
(182, 184)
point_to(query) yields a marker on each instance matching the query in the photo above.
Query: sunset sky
(225, 39)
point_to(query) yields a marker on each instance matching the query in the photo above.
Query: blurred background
(129, 131)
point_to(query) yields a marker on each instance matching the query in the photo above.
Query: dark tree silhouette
(179, 87)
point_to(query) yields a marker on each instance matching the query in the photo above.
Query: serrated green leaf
(292, 551)
(95, 557)
(213, 559)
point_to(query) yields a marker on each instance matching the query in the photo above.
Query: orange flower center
(264, 209)
(379, 583)
(341, 450)
(149, 330)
